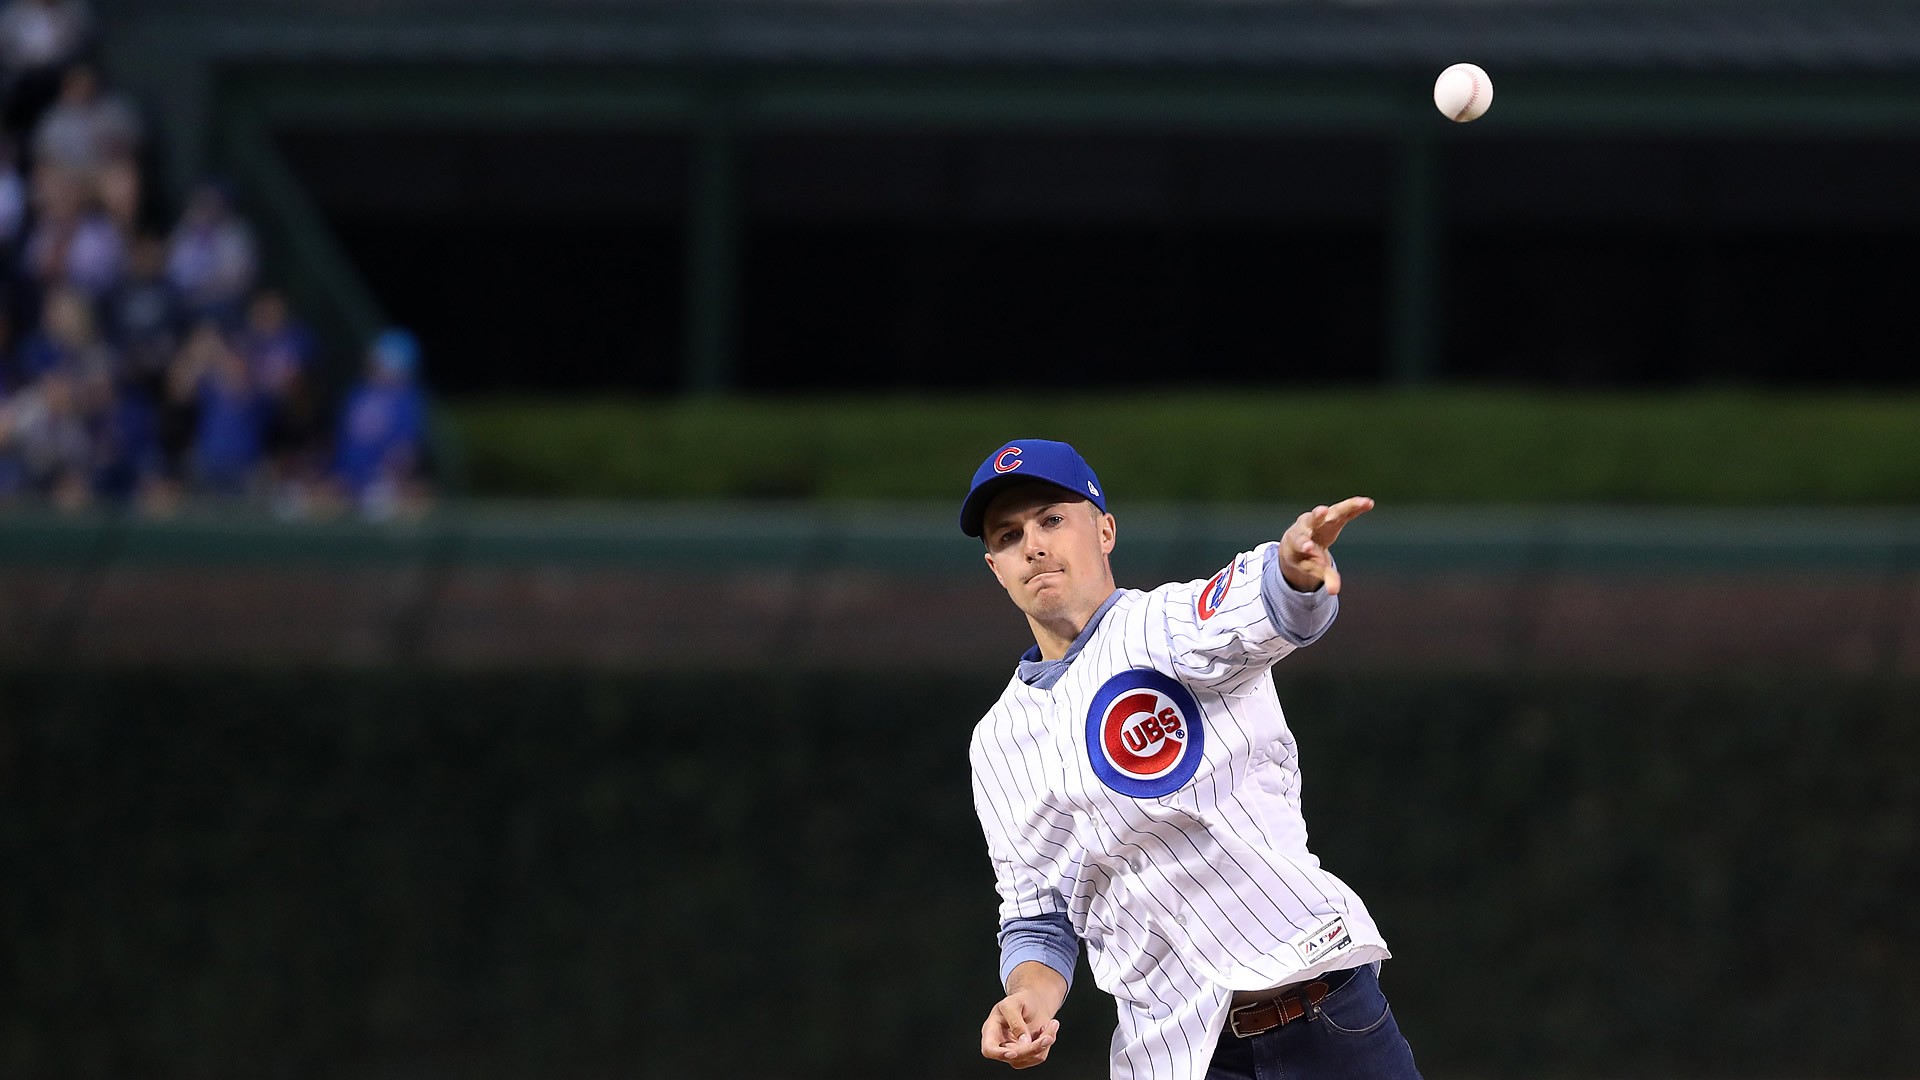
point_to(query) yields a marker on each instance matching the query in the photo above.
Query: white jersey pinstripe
(1184, 898)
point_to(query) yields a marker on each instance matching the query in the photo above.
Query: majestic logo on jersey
(1211, 597)
(1331, 937)
(1144, 736)
(1008, 460)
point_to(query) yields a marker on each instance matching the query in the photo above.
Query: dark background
(434, 875)
(900, 260)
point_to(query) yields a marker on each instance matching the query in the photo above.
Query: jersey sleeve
(1023, 888)
(1246, 616)
(1033, 914)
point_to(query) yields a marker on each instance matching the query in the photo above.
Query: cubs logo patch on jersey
(1207, 604)
(1144, 735)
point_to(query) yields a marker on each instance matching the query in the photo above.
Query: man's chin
(1047, 603)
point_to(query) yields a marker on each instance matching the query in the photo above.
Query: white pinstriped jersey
(1152, 795)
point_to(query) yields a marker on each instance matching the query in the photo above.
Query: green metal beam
(496, 98)
(519, 96)
(713, 238)
(919, 540)
(1413, 344)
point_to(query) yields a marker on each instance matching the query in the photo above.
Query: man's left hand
(1304, 560)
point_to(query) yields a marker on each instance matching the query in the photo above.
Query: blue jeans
(1350, 1035)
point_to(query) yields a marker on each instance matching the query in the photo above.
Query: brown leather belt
(1295, 1004)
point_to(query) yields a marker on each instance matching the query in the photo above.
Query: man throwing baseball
(1140, 792)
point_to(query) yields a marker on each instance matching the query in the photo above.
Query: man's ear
(992, 569)
(1109, 533)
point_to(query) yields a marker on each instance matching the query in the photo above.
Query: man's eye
(1054, 519)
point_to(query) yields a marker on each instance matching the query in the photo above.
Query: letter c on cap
(1002, 465)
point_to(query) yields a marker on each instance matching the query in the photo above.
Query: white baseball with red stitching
(1463, 92)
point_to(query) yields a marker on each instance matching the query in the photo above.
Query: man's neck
(1056, 635)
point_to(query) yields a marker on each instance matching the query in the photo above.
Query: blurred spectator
(43, 434)
(144, 316)
(229, 415)
(280, 351)
(380, 448)
(36, 35)
(277, 346)
(67, 341)
(211, 257)
(76, 245)
(127, 460)
(13, 478)
(13, 200)
(11, 377)
(91, 138)
(142, 366)
(38, 39)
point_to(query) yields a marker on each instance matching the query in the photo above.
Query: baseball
(1463, 92)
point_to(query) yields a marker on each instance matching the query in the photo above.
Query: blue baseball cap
(1044, 460)
(396, 352)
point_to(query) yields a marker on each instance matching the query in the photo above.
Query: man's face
(1048, 547)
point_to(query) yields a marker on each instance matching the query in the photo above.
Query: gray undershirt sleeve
(1301, 617)
(1046, 938)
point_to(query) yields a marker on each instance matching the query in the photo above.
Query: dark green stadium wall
(369, 875)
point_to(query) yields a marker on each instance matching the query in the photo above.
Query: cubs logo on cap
(1144, 734)
(1044, 460)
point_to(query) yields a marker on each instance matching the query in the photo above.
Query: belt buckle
(1233, 1021)
(1280, 1018)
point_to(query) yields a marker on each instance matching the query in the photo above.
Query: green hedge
(1718, 448)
